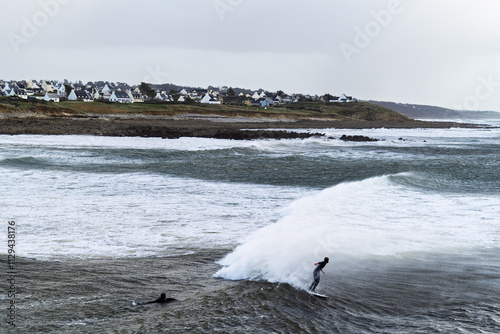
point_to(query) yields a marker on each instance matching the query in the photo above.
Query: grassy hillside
(305, 110)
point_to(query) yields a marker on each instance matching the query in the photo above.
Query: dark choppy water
(431, 294)
(232, 229)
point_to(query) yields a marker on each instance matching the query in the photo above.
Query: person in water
(316, 273)
(163, 299)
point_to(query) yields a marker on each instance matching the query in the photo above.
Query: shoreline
(192, 125)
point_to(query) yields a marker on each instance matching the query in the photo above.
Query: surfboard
(317, 294)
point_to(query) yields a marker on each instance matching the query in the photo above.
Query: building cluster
(56, 91)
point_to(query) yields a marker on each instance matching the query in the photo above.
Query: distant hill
(418, 111)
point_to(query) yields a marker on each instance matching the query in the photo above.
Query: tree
(67, 89)
(280, 93)
(230, 92)
(146, 89)
(327, 97)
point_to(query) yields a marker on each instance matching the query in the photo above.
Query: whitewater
(410, 224)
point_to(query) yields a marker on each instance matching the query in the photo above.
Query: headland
(173, 120)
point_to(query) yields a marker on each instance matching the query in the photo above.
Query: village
(57, 91)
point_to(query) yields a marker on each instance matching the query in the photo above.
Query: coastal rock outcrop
(357, 138)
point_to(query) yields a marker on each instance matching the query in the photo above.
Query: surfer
(163, 299)
(316, 273)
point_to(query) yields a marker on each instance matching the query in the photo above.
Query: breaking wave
(374, 217)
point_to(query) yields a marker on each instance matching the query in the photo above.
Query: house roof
(18, 91)
(81, 94)
(121, 95)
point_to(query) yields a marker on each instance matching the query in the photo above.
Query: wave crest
(356, 220)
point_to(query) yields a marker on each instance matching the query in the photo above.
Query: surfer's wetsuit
(317, 274)
(163, 299)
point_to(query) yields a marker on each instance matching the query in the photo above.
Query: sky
(440, 52)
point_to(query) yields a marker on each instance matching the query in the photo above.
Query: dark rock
(357, 138)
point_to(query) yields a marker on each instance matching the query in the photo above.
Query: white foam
(374, 217)
(83, 215)
(81, 141)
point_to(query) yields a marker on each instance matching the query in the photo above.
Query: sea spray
(358, 220)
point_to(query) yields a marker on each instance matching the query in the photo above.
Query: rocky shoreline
(171, 127)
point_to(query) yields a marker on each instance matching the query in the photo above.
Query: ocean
(232, 230)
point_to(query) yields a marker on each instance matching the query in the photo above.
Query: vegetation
(147, 90)
(68, 89)
(302, 110)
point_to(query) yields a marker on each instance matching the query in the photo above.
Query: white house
(106, 95)
(161, 96)
(80, 95)
(121, 97)
(256, 96)
(105, 89)
(95, 94)
(61, 91)
(51, 97)
(19, 93)
(209, 99)
(47, 86)
(183, 92)
(32, 84)
(194, 96)
(137, 97)
(72, 95)
(344, 98)
(278, 99)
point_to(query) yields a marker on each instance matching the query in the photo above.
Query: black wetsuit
(317, 274)
(162, 299)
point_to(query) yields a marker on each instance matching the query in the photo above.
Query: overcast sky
(439, 52)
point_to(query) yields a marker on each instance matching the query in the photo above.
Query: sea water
(233, 229)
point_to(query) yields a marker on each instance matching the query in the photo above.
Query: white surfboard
(317, 294)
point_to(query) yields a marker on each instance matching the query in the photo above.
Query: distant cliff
(418, 111)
